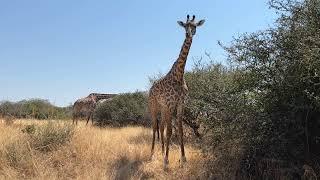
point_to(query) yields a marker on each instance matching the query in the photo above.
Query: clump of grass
(29, 129)
(9, 120)
(49, 136)
(18, 156)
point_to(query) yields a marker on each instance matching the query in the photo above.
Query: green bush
(124, 109)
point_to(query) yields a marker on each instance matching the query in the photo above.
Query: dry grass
(92, 153)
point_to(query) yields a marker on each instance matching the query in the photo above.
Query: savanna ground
(54, 149)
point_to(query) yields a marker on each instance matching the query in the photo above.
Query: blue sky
(62, 50)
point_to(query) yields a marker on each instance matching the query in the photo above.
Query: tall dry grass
(91, 153)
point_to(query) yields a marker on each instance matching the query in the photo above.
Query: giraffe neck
(177, 70)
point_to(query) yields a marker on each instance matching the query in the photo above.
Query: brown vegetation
(91, 153)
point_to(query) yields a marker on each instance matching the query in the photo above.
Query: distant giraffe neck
(177, 70)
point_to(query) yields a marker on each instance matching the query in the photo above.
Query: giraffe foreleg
(92, 118)
(75, 119)
(88, 118)
(180, 132)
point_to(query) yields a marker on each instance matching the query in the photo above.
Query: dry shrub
(50, 136)
(17, 155)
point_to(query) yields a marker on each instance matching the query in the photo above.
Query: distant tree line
(35, 109)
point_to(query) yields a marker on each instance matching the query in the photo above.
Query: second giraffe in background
(85, 106)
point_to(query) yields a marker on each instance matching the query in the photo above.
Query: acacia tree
(280, 66)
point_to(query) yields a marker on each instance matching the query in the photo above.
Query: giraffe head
(191, 25)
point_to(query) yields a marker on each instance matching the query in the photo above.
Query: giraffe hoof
(165, 164)
(165, 167)
(182, 161)
(152, 158)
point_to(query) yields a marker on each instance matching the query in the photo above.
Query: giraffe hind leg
(166, 119)
(75, 120)
(162, 126)
(153, 112)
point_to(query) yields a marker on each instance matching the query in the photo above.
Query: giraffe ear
(181, 23)
(200, 22)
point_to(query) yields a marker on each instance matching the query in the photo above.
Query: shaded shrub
(124, 109)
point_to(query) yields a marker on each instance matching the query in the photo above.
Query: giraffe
(167, 95)
(87, 105)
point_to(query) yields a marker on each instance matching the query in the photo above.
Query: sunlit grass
(92, 153)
